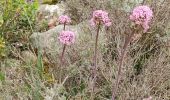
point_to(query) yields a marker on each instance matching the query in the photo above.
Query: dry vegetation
(146, 70)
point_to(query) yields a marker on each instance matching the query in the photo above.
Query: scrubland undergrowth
(146, 66)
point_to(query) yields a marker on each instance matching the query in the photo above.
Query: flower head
(67, 37)
(63, 19)
(100, 16)
(142, 15)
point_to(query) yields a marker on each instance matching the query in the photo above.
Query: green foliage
(40, 65)
(2, 47)
(17, 19)
(1, 20)
(50, 1)
(2, 76)
(17, 16)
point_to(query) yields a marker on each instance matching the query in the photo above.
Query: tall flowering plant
(141, 16)
(99, 18)
(65, 37)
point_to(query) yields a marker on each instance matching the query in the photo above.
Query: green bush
(17, 17)
(17, 20)
(2, 47)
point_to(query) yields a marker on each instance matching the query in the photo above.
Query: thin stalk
(94, 71)
(123, 53)
(64, 27)
(62, 57)
(64, 47)
(62, 54)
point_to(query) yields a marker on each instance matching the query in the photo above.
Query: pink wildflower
(63, 19)
(107, 22)
(67, 37)
(142, 15)
(100, 16)
(92, 23)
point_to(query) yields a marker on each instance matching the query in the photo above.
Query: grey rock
(48, 41)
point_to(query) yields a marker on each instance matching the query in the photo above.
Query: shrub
(18, 18)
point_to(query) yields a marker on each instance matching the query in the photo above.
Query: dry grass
(146, 70)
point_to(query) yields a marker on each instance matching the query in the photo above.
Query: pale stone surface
(48, 40)
(48, 11)
(48, 43)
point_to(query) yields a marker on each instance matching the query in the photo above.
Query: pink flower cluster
(63, 19)
(67, 37)
(142, 15)
(100, 16)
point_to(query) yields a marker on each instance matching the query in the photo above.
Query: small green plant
(17, 16)
(2, 47)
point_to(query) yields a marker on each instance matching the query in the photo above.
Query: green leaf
(1, 20)
(2, 76)
(40, 65)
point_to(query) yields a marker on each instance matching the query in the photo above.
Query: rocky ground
(35, 73)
